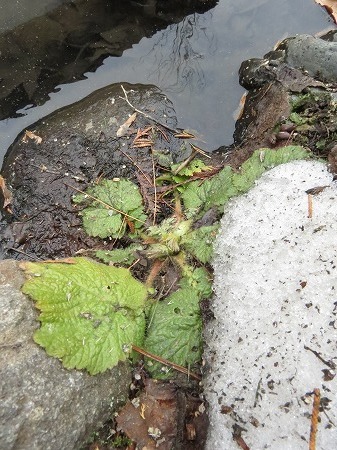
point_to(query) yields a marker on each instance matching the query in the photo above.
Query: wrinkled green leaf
(123, 256)
(101, 217)
(283, 155)
(90, 313)
(216, 191)
(175, 331)
(199, 196)
(199, 242)
(198, 279)
(250, 170)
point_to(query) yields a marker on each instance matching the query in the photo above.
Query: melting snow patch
(273, 340)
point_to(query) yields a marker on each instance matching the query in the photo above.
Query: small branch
(144, 114)
(166, 362)
(178, 209)
(309, 206)
(237, 437)
(199, 150)
(185, 162)
(155, 269)
(155, 189)
(329, 363)
(134, 163)
(33, 257)
(314, 419)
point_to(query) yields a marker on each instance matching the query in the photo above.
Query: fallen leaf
(184, 135)
(123, 128)
(330, 6)
(30, 135)
(153, 423)
(239, 110)
(6, 194)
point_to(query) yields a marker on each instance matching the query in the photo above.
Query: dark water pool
(195, 63)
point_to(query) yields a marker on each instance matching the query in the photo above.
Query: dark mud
(79, 145)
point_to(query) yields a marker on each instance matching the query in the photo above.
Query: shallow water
(195, 63)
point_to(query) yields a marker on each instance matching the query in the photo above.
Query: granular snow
(273, 339)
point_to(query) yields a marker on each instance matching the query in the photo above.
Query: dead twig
(200, 150)
(155, 189)
(155, 269)
(314, 419)
(309, 206)
(136, 165)
(185, 162)
(166, 362)
(145, 114)
(237, 430)
(329, 363)
(33, 257)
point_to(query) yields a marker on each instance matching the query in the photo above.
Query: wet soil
(78, 146)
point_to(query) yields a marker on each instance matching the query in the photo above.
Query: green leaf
(198, 279)
(195, 166)
(249, 172)
(272, 158)
(175, 331)
(90, 313)
(199, 197)
(123, 256)
(110, 205)
(199, 242)
(297, 119)
(216, 191)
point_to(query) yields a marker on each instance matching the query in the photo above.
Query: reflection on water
(175, 57)
(195, 62)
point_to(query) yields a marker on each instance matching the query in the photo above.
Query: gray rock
(43, 405)
(314, 55)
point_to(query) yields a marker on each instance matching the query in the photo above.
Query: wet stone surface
(79, 145)
(279, 81)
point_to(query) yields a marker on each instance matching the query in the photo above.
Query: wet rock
(79, 145)
(301, 64)
(316, 56)
(313, 56)
(43, 405)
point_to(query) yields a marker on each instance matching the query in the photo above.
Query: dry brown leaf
(123, 128)
(199, 150)
(330, 6)
(184, 135)
(60, 261)
(152, 421)
(30, 135)
(140, 143)
(8, 198)
(239, 110)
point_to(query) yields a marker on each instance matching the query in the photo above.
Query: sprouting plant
(92, 313)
